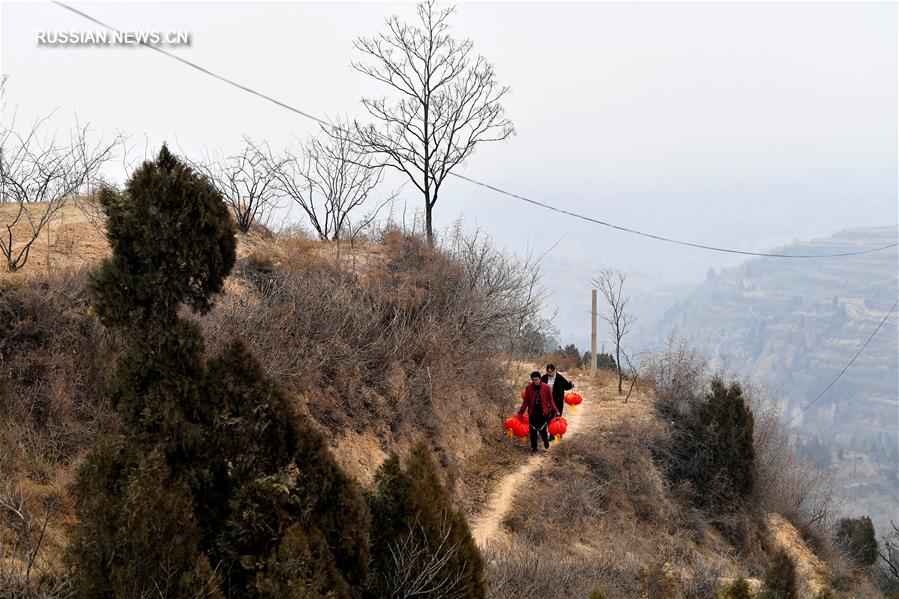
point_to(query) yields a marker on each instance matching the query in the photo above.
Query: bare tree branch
(247, 181)
(39, 174)
(329, 179)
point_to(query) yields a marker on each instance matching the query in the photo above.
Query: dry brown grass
(600, 516)
(380, 343)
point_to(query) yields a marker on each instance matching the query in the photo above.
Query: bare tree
(89, 201)
(610, 283)
(501, 294)
(449, 101)
(890, 554)
(247, 181)
(38, 175)
(420, 564)
(329, 179)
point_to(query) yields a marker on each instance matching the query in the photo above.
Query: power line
(474, 181)
(668, 239)
(857, 354)
(194, 65)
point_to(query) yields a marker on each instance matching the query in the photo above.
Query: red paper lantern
(509, 424)
(557, 427)
(573, 399)
(522, 428)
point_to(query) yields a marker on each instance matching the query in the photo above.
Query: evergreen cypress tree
(857, 537)
(780, 578)
(738, 589)
(719, 452)
(419, 541)
(212, 488)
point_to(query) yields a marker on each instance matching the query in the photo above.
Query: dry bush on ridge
(53, 364)
(414, 331)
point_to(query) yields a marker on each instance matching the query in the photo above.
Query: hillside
(794, 324)
(377, 344)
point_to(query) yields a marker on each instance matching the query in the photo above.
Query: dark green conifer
(780, 578)
(737, 589)
(418, 539)
(213, 487)
(718, 452)
(728, 425)
(857, 537)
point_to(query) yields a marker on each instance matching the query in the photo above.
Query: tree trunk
(428, 225)
(618, 365)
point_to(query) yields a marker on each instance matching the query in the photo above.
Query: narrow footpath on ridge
(486, 526)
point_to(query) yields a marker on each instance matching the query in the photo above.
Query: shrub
(780, 578)
(203, 491)
(421, 545)
(856, 536)
(825, 593)
(738, 589)
(727, 425)
(713, 448)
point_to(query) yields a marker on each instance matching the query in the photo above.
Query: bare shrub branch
(39, 173)
(329, 179)
(247, 181)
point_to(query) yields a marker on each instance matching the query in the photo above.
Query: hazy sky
(746, 125)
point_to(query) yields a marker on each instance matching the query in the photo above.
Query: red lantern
(523, 393)
(509, 424)
(557, 427)
(522, 428)
(526, 418)
(573, 399)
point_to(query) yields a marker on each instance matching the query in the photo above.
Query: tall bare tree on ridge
(449, 101)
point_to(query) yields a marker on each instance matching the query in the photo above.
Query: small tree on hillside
(330, 180)
(421, 545)
(780, 578)
(448, 101)
(211, 489)
(713, 448)
(39, 174)
(725, 425)
(889, 556)
(610, 283)
(246, 181)
(856, 536)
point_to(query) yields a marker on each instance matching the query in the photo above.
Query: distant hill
(794, 324)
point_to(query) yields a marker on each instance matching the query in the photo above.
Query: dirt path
(486, 526)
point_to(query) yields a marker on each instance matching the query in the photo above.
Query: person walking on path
(538, 401)
(559, 385)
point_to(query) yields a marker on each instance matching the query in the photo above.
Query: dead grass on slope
(599, 516)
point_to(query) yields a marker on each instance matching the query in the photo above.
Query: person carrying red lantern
(559, 384)
(539, 404)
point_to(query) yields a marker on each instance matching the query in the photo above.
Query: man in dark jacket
(538, 401)
(559, 385)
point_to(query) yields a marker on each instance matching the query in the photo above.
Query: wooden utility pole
(593, 336)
